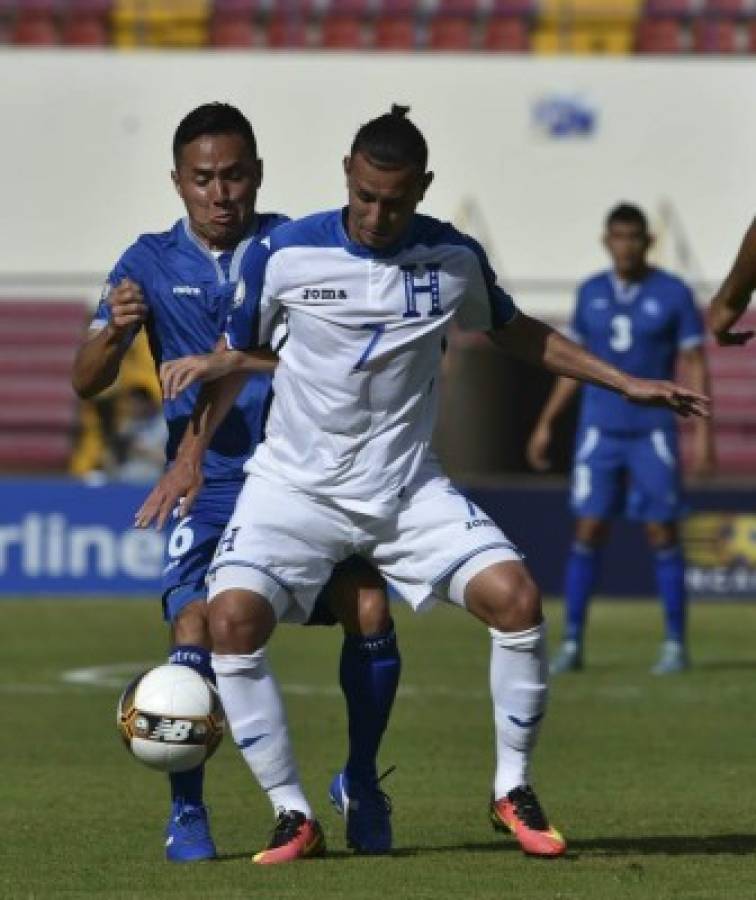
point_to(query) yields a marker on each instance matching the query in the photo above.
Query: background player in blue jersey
(179, 286)
(731, 300)
(643, 320)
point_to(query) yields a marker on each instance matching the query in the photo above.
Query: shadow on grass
(652, 845)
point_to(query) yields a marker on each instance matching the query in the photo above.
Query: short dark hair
(629, 214)
(212, 118)
(391, 141)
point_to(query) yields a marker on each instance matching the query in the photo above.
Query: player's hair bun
(399, 111)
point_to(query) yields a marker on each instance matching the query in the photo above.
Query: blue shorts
(191, 546)
(635, 474)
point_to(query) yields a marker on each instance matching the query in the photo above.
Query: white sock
(519, 668)
(256, 717)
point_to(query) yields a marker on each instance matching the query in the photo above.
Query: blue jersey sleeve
(690, 326)
(249, 323)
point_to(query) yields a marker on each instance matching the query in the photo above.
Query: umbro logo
(186, 290)
(324, 294)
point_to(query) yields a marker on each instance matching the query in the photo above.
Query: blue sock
(670, 580)
(369, 676)
(187, 786)
(579, 582)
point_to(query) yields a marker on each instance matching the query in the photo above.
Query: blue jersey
(639, 328)
(188, 291)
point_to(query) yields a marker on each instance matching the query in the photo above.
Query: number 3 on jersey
(621, 338)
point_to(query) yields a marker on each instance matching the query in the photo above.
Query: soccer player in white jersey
(346, 466)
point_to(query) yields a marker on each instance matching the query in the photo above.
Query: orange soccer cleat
(521, 813)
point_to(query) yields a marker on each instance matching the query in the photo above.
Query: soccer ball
(171, 718)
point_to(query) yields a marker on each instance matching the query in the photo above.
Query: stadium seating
(506, 34)
(287, 32)
(35, 30)
(661, 36)
(716, 36)
(733, 375)
(342, 32)
(451, 33)
(85, 31)
(233, 31)
(37, 405)
(395, 33)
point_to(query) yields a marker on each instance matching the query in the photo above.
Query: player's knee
(191, 626)
(510, 600)
(240, 622)
(373, 611)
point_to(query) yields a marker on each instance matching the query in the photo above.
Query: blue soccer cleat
(187, 834)
(366, 810)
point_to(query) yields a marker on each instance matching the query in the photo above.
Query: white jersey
(356, 390)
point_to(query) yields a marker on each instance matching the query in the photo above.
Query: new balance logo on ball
(173, 731)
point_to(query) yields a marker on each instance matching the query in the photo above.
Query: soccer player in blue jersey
(370, 291)
(643, 320)
(179, 285)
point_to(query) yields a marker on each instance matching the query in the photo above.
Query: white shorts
(283, 544)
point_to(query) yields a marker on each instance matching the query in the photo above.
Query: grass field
(650, 779)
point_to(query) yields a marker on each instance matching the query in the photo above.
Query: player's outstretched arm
(734, 295)
(183, 481)
(179, 374)
(696, 368)
(539, 344)
(99, 358)
(559, 399)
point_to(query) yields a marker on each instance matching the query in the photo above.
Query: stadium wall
(529, 152)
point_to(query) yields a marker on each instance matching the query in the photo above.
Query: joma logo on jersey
(174, 731)
(478, 523)
(324, 294)
(186, 290)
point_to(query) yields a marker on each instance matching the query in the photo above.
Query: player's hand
(733, 338)
(684, 401)
(179, 374)
(127, 306)
(538, 445)
(173, 495)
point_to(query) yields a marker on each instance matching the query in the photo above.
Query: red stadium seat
(35, 30)
(681, 9)
(470, 8)
(286, 31)
(239, 9)
(85, 8)
(85, 31)
(230, 31)
(394, 8)
(514, 8)
(716, 36)
(342, 33)
(363, 8)
(395, 33)
(660, 36)
(728, 8)
(451, 33)
(506, 34)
